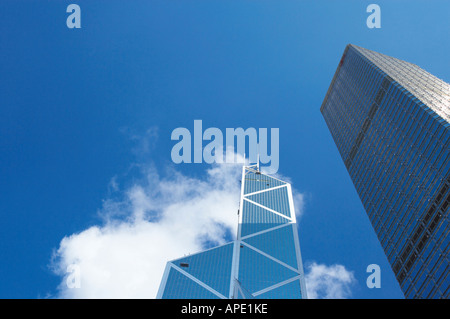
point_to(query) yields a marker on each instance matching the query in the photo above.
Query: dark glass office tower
(264, 261)
(390, 122)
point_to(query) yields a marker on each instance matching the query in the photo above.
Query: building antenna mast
(257, 162)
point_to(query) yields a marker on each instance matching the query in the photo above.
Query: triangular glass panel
(256, 219)
(276, 199)
(290, 290)
(278, 243)
(256, 181)
(212, 267)
(257, 272)
(178, 286)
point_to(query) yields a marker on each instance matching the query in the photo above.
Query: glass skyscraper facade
(390, 122)
(263, 262)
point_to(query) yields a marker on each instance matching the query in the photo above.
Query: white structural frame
(235, 285)
(292, 222)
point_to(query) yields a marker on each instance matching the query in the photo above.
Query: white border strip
(291, 203)
(297, 245)
(162, 286)
(236, 251)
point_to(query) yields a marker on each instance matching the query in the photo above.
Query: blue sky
(82, 109)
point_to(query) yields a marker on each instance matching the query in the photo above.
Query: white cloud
(157, 220)
(299, 203)
(328, 282)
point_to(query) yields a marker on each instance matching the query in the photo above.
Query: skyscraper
(264, 261)
(390, 121)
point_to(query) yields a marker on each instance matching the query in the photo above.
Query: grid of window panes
(432, 91)
(179, 286)
(211, 267)
(396, 150)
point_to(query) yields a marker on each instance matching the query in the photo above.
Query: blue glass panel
(255, 219)
(257, 272)
(288, 291)
(276, 199)
(179, 286)
(279, 243)
(255, 182)
(248, 229)
(212, 267)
